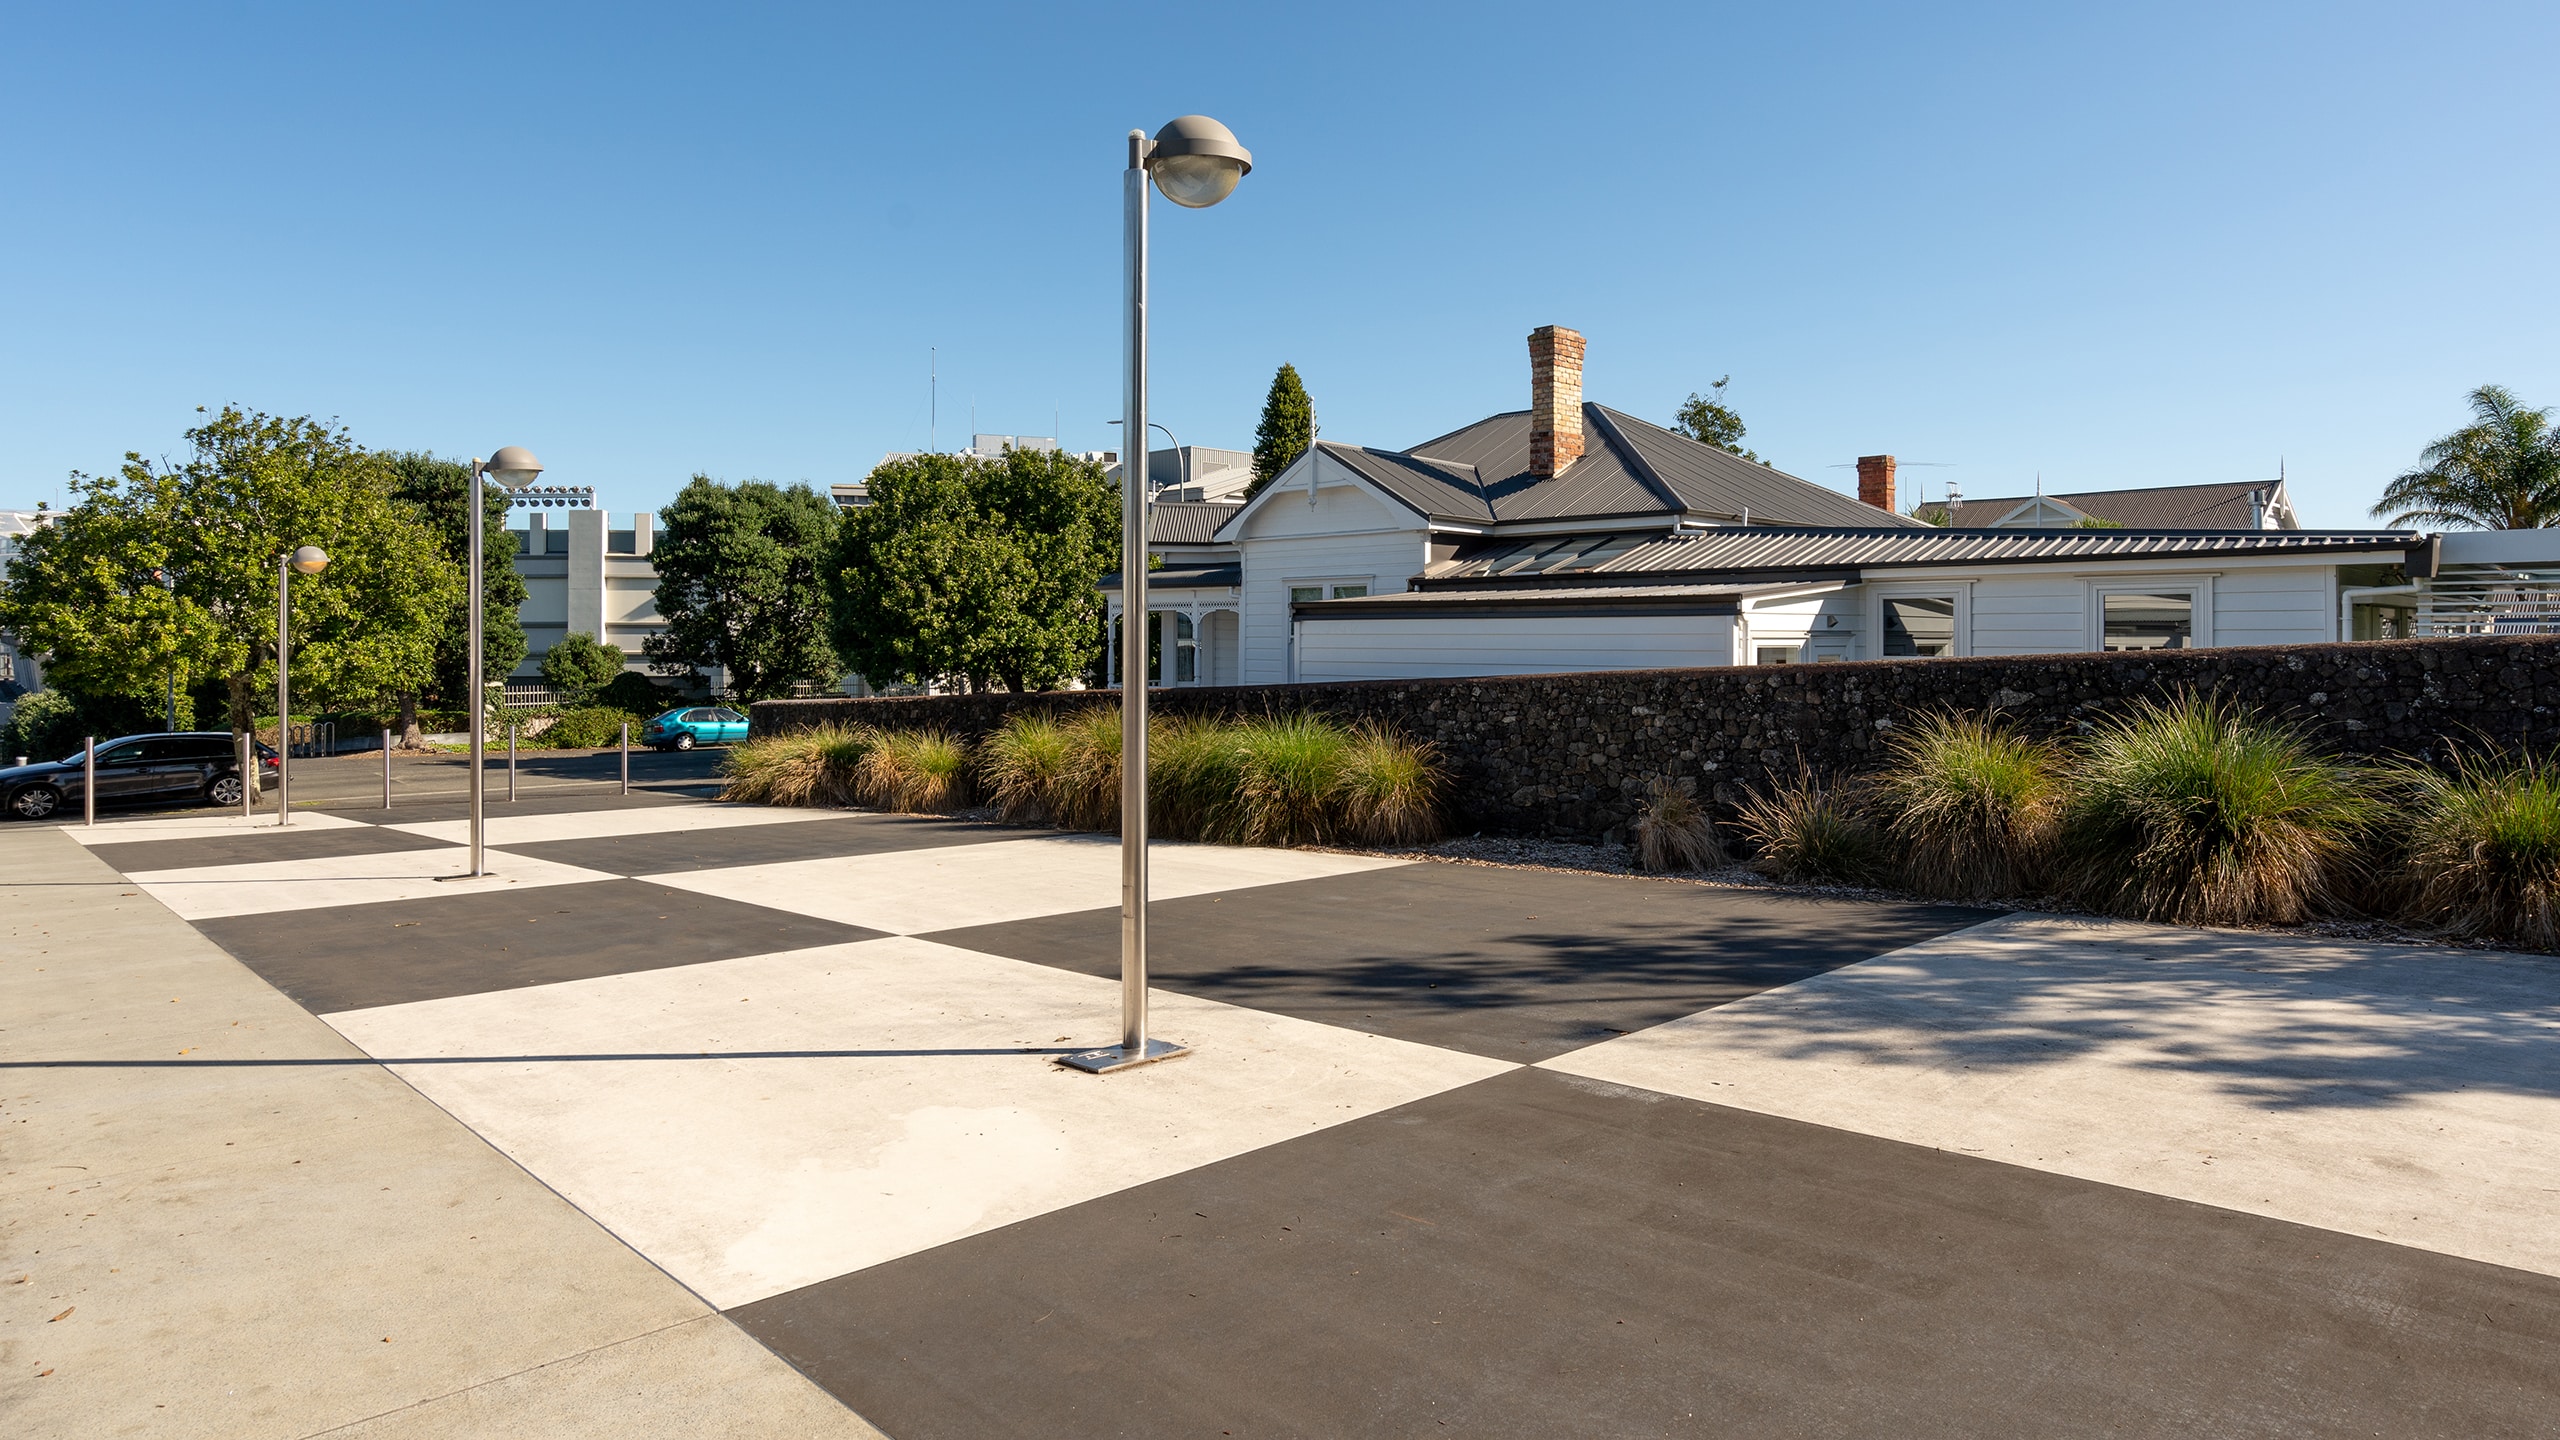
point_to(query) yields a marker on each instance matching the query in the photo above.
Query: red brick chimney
(1875, 482)
(1555, 399)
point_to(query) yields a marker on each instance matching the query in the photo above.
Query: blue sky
(2137, 245)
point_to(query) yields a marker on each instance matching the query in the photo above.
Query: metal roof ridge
(1643, 468)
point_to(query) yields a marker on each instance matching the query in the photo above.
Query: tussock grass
(817, 766)
(917, 772)
(1293, 771)
(2199, 811)
(1023, 766)
(1672, 828)
(1971, 807)
(1813, 830)
(2483, 853)
(1392, 789)
(1089, 793)
(1195, 781)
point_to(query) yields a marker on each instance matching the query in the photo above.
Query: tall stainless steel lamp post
(1196, 162)
(310, 560)
(513, 467)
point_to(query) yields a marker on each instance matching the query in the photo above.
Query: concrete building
(582, 575)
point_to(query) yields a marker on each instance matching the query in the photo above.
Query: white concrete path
(2411, 1095)
(760, 1124)
(606, 824)
(209, 892)
(200, 826)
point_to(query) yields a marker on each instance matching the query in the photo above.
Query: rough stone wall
(1566, 755)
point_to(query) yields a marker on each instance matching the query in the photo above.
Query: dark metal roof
(1629, 468)
(1774, 548)
(2221, 506)
(1184, 577)
(1187, 522)
(1582, 600)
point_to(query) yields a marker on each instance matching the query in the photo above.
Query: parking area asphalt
(1457, 1148)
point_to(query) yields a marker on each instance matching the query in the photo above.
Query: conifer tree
(1288, 428)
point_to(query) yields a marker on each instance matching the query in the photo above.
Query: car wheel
(36, 802)
(224, 790)
(685, 741)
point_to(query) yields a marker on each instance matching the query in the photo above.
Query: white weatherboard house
(1575, 537)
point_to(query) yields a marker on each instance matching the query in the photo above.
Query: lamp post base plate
(1111, 1058)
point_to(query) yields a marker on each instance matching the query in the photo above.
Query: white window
(1301, 591)
(1299, 594)
(2169, 613)
(1917, 621)
(1775, 655)
(1186, 650)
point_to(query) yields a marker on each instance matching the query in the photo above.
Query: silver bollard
(511, 760)
(386, 769)
(89, 782)
(626, 757)
(248, 773)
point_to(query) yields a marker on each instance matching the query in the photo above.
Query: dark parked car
(198, 767)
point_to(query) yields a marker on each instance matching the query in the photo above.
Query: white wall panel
(1400, 647)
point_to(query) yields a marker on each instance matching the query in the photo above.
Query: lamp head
(513, 467)
(310, 560)
(1196, 162)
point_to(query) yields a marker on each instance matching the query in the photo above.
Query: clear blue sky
(2120, 246)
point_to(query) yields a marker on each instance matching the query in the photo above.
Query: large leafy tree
(742, 585)
(1709, 420)
(2500, 472)
(162, 569)
(1287, 431)
(983, 571)
(436, 486)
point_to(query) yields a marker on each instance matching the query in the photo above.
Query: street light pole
(1196, 162)
(513, 467)
(310, 560)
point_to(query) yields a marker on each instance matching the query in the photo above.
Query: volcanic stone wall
(1568, 755)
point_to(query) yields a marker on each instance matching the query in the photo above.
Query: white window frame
(1327, 584)
(2198, 589)
(1959, 591)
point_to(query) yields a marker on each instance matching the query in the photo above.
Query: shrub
(1672, 828)
(916, 771)
(578, 665)
(817, 766)
(2483, 853)
(1971, 807)
(630, 690)
(1392, 789)
(1023, 766)
(1810, 829)
(2202, 812)
(591, 727)
(44, 726)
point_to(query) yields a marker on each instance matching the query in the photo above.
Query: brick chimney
(1875, 482)
(1555, 399)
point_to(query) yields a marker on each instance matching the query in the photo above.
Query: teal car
(693, 725)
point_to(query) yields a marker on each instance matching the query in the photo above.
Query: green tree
(980, 571)
(742, 585)
(2500, 472)
(1287, 430)
(436, 487)
(1708, 420)
(578, 665)
(88, 591)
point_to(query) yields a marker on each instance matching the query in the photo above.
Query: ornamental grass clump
(1391, 789)
(918, 772)
(2483, 851)
(2199, 811)
(1813, 830)
(1971, 807)
(1023, 765)
(817, 766)
(1195, 781)
(1088, 793)
(1672, 828)
(1292, 773)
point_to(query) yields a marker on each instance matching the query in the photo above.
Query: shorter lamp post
(310, 560)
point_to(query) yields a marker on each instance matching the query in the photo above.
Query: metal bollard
(626, 757)
(386, 769)
(248, 773)
(89, 782)
(511, 760)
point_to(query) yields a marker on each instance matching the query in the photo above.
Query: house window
(2148, 622)
(1299, 594)
(1331, 590)
(1186, 650)
(1776, 655)
(1916, 625)
(1349, 592)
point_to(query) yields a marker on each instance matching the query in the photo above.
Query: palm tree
(2502, 472)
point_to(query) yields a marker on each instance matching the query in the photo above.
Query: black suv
(164, 769)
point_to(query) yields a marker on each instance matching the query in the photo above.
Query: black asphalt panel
(735, 845)
(497, 805)
(353, 957)
(140, 856)
(1539, 1256)
(1519, 964)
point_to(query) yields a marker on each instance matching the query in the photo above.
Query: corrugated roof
(1183, 577)
(1759, 548)
(1440, 491)
(1723, 485)
(2223, 505)
(1187, 522)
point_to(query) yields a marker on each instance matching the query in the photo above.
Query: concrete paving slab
(564, 824)
(201, 824)
(2410, 1096)
(298, 843)
(223, 1221)
(212, 892)
(400, 951)
(754, 1125)
(1519, 964)
(1539, 1255)
(857, 834)
(913, 892)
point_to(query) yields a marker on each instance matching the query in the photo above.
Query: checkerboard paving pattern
(1502, 1151)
